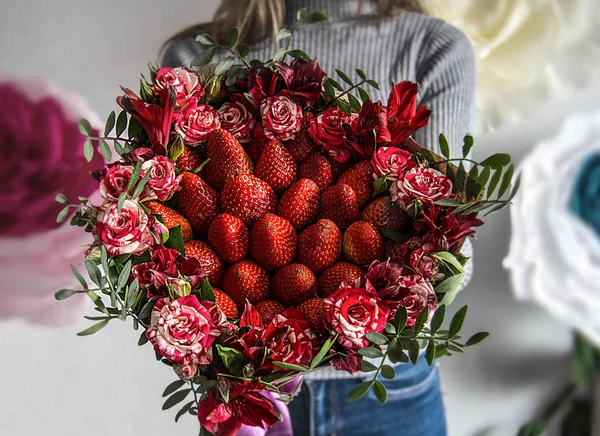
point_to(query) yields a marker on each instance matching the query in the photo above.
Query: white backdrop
(58, 384)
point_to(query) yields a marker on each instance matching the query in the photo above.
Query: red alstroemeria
(234, 404)
(402, 115)
(156, 119)
(304, 81)
(440, 224)
(261, 83)
(369, 129)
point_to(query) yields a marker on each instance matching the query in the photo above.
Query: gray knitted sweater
(410, 46)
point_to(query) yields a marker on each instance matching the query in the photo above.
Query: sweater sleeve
(181, 52)
(447, 75)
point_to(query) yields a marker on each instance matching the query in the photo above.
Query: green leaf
(88, 150)
(297, 53)
(301, 14)
(232, 359)
(224, 66)
(394, 235)
(133, 291)
(370, 352)
(533, 428)
(94, 328)
(389, 328)
(430, 353)
(147, 309)
(134, 128)
(135, 175)
(61, 198)
(176, 398)
(328, 87)
(315, 17)
(368, 366)
(449, 258)
(359, 391)
(84, 127)
(322, 353)
(364, 95)
(231, 38)
(377, 338)
(447, 202)
(335, 84)
(93, 272)
(291, 366)
(141, 185)
(344, 107)
(457, 321)
(110, 123)
(205, 39)
(344, 77)
(205, 57)
(449, 288)
(354, 102)
(121, 201)
(373, 84)
(437, 319)
(388, 372)
(173, 387)
(63, 294)
(461, 176)
(515, 188)
(79, 277)
(444, 147)
(124, 276)
(467, 145)
(395, 352)
(118, 148)
(105, 150)
(62, 216)
(282, 34)
(421, 320)
(380, 392)
(279, 55)
(379, 186)
(185, 409)
(413, 352)
(401, 319)
(243, 50)
(493, 182)
(484, 176)
(361, 74)
(121, 123)
(143, 340)
(505, 184)
(476, 338)
(496, 161)
(97, 300)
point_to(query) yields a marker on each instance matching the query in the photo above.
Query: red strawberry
(301, 145)
(276, 166)
(332, 277)
(386, 214)
(209, 261)
(198, 202)
(171, 218)
(314, 312)
(360, 179)
(363, 243)
(300, 203)
(320, 245)
(189, 160)
(338, 203)
(246, 280)
(229, 237)
(247, 198)
(255, 147)
(273, 242)
(294, 284)
(337, 167)
(268, 309)
(227, 158)
(395, 251)
(225, 303)
(317, 169)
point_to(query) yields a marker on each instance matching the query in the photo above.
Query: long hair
(257, 20)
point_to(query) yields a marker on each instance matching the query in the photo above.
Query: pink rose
(185, 372)
(327, 130)
(425, 184)
(114, 181)
(184, 330)
(196, 122)
(392, 162)
(384, 277)
(423, 261)
(183, 80)
(236, 119)
(281, 117)
(163, 181)
(353, 313)
(130, 231)
(418, 294)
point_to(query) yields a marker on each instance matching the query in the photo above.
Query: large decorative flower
(328, 131)
(403, 117)
(128, 231)
(354, 312)
(281, 117)
(196, 122)
(303, 80)
(184, 330)
(163, 181)
(425, 184)
(554, 256)
(184, 81)
(237, 120)
(392, 162)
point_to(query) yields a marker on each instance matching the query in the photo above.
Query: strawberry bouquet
(264, 220)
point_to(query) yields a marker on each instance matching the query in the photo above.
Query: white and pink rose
(237, 120)
(419, 295)
(392, 162)
(281, 117)
(163, 181)
(184, 81)
(115, 181)
(425, 184)
(195, 123)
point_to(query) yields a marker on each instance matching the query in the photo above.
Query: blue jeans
(414, 406)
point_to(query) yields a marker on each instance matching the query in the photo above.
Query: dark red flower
(440, 224)
(303, 79)
(402, 115)
(384, 277)
(260, 84)
(328, 131)
(139, 154)
(233, 404)
(369, 129)
(349, 361)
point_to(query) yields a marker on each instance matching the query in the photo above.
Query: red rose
(196, 122)
(184, 330)
(236, 119)
(328, 131)
(303, 79)
(403, 117)
(425, 184)
(353, 313)
(163, 181)
(288, 338)
(233, 404)
(369, 129)
(392, 162)
(115, 180)
(184, 81)
(281, 117)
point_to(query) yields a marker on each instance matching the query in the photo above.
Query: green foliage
(232, 359)
(175, 240)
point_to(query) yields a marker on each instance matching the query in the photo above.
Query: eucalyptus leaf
(88, 150)
(110, 123)
(476, 338)
(506, 179)
(62, 216)
(359, 391)
(370, 352)
(63, 294)
(205, 39)
(444, 147)
(437, 319)
(173, 387)
(377, 338)
(496, 161)
(84, 127)
(205, 57)
(282, 34)
(231, 38)
(243, 50)
(94, 328)
(224, 66)
(457, 321)
(467, 145)
(121, 123)
(380, 392)
(176, 398)
(388, 372)
(344, 77)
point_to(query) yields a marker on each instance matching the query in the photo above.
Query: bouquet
(263, 221)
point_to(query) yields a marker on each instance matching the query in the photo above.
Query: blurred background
(54, 382)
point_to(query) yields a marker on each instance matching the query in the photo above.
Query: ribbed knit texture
(409, 46)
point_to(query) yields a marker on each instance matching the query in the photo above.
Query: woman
(391, 40)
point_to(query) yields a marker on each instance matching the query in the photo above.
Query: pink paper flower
(281, 117)
(163, 181)
(237, 120)
(196, 123)
(425, 184)
(184, 81)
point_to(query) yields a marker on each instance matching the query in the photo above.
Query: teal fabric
(585, 198)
